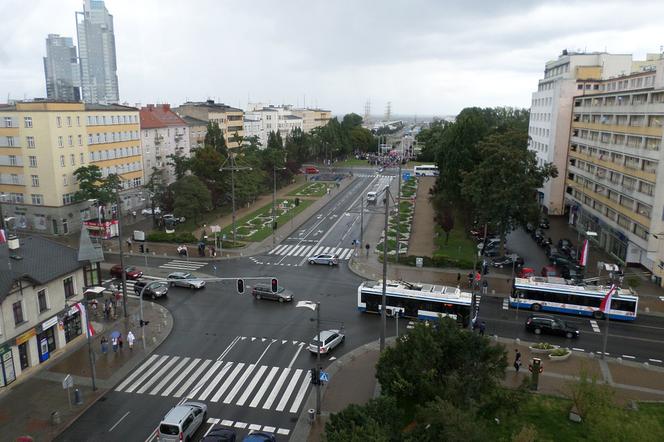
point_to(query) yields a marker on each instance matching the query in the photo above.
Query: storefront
(72, 324)
(23, 341)
(46, 339)
(7, 372)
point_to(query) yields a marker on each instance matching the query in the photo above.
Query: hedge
(181, 238)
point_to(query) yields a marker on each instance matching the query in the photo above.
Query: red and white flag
(605, 306)
(3, 236)
(583, 258)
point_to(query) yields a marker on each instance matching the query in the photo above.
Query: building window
(35, 180)
(90, 140)
(78, 121)
(80, 140)
(27, 121)
(65, 180)
(41, 299)
(30, 142)
(15, 179)
(69, 287)
(58, 121)
(60, 143)
(37, 199)
(8, 122)
(32, 161)
(70, 140)
(17, 307)
(69, 121)
(12, 160)
(10, 141)
(82, 158)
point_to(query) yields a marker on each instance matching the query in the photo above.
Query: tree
(214, 138)
(206, 164)
(502, 188)
(158, 192)
(274, 140)
(181, 164)
(378, 420)
(440, 420)
(445, 219)
(191, 197)
(92, 185)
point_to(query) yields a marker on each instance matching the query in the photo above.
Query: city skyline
(454, 56)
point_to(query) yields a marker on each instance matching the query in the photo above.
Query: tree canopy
(92, 185)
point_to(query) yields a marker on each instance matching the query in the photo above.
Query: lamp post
(274, 203)
(122, 266)
(315, 306)
(233, 168)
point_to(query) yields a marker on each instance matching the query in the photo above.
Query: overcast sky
(425, 57)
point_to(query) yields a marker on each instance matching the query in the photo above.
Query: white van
(371, 197)
(181, 423)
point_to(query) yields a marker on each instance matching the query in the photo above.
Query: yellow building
(312, 118)
(229, 119)
(43, 142)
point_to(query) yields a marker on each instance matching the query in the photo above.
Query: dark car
(154, 289)
(219, 433)
(574, 273)
(132, 272)
(264, 291)
(548, 324)
(544, 223)
(561, 261)
(507, 260)
(565, 244)
(260, 436)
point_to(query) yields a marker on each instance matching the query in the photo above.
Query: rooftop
(159, 116)
(210, 104)
(191, 121)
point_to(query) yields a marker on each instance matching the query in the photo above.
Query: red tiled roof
(161, 115)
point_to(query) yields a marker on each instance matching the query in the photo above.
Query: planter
(564, 357)
(540, 351)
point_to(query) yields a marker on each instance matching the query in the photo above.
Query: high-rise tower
(61, 69)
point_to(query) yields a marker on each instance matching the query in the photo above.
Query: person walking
(130, 340)
(458, 278)
(485, 286)
(482, 328)
(517, 359)
(120, 342)
(129, 244)
(114, 344)
(104, 345)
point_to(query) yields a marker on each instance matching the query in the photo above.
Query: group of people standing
(117, 342)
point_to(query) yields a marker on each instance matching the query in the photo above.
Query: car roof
(543, 317)
(327, 333)
(178, 413)
(179, 274)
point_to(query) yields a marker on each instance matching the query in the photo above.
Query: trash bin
(419, 262)
(55, 418)
(312, 415)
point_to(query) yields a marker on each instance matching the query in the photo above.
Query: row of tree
(487, 173)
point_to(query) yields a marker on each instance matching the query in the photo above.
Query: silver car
(328, 340)
(327, 259)
(187, 280)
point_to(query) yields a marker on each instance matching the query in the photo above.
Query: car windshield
(130, 269)
(170, 430)
(157, 285)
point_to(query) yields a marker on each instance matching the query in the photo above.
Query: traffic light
(141, 247)
(315, 377)
(275, 285)
(240, 286)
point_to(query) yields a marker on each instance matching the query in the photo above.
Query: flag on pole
(605, 306)
(583, 258)
(3, 236)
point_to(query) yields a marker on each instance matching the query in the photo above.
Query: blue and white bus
(415, 300)
(426, 170)
(557, 295)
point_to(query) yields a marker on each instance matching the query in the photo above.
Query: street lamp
(274, 203)
(233, 168)
(315, 306)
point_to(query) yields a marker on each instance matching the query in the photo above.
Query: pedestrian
(104, 345)
(482, 328)
(129, 243)
(133, 213)
(120, 342)
(130, 340)
(458, 278)
(213, 252)
(517, 359)
(470, 279)
(114, 344)
(485, 286)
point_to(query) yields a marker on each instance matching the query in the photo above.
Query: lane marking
(506, 304)
(273, 394)
(655, 360)
(240, 425)
(230, 346)
(264, 386)
(296, 353)
(193, 377)
(254, 427)
(577, 349)
(289, 390)
(118, 422)
(265, 351)
(594, 325)
(628, 357)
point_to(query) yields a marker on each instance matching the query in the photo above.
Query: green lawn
(459, 246)
(311, 189)
(351, 162)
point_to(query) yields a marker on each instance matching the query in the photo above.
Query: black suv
(154, 289)
(539, 324)
(264, 291)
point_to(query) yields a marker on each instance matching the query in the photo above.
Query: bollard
(312, 415)
(78, 397)
(55, 418)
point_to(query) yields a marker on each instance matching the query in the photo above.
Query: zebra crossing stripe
(193, 377)
(301, 392)
(239, 384)
(285, 250)
(179, 378)
(317, 252)
(136, 373)
(289, 390)
(170, 375)
(214, 382)
(325, 249)
(158, 375)
(264, 386)
(295, 251)
(273, 394)
(204, 379)
(146, 374)
(227, 382)
(251, 386)
(304, 251)
(276, 250)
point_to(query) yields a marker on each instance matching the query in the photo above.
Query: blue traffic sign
(324, 376)
(405, 176)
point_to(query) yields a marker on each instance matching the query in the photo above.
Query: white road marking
(289, 390)
(594, 325)
(254, 427)
(215, 381)
(577, 349)
(239, 384)
(251, 386)
(226, 423)
(628, 357)
(116, 424)
(283, 431)
(240, 425)
(191, 380)
(227, 382)
(264, 386)
(286, 250)
(140, 380)
(227, 349)
(506, 304)
(158, 375)
(326, 249)
(300, 394)
(136, 373)
(170, 375)
(269, 429)
(296, 353)
(295, 250)
(264, 351)
(273, 394)
(204, 379)
(655, 360)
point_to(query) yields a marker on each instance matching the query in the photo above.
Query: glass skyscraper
(61, 69)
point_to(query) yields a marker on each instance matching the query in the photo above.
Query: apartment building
(551, 109)
(260, 120)
(615, 172)
(41, 310)
(197, 131)
(163, 133)
(312, 118)
(229, 119)
(42, 143)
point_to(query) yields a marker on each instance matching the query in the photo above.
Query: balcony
(636, 130)
(645, 175)
(11, 180)
(629, 213)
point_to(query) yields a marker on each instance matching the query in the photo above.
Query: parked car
(503, 261)
(154, 289)
(549, 324)
(169, 217)
(182, 422)
(563, 261)
(219, 433)
(544, 223)
(187, 280)
(492, 252)
(260, 436)
(264, 291)
(324, 258)
(329, 339)
(310, 170)
(148, 211)
(526, 272)
(574, 274)
(132, 272)
(565, 244)
(490, 243)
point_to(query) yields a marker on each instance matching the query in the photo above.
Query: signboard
(49, 323)
(25, 336)
(324, 376)
(405, 176)
(67, 382)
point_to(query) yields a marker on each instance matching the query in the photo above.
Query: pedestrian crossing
(189, 266)
(234, 383)
(306, 250)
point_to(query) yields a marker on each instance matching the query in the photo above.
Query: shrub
(543, 346)
(177, 237)
(559, 352)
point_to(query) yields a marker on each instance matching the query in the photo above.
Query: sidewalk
(28, 405)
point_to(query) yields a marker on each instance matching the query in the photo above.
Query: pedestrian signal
(240, 286)
(275, 285)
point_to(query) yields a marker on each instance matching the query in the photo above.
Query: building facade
(197, 131)
(163, 133)
(260, 120)
(312, 118)
(42, 143)
(229, 119)
(41, 298)
(61, 69)
(615, 170)
(551, 109)
(96, 48)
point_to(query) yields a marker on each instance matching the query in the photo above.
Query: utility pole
(383, 299)
(233, 168)
(122, 266)
(274, 204)
(396, 257)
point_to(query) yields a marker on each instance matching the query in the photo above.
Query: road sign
(405, 176)
(67, 382)
(324, 376)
